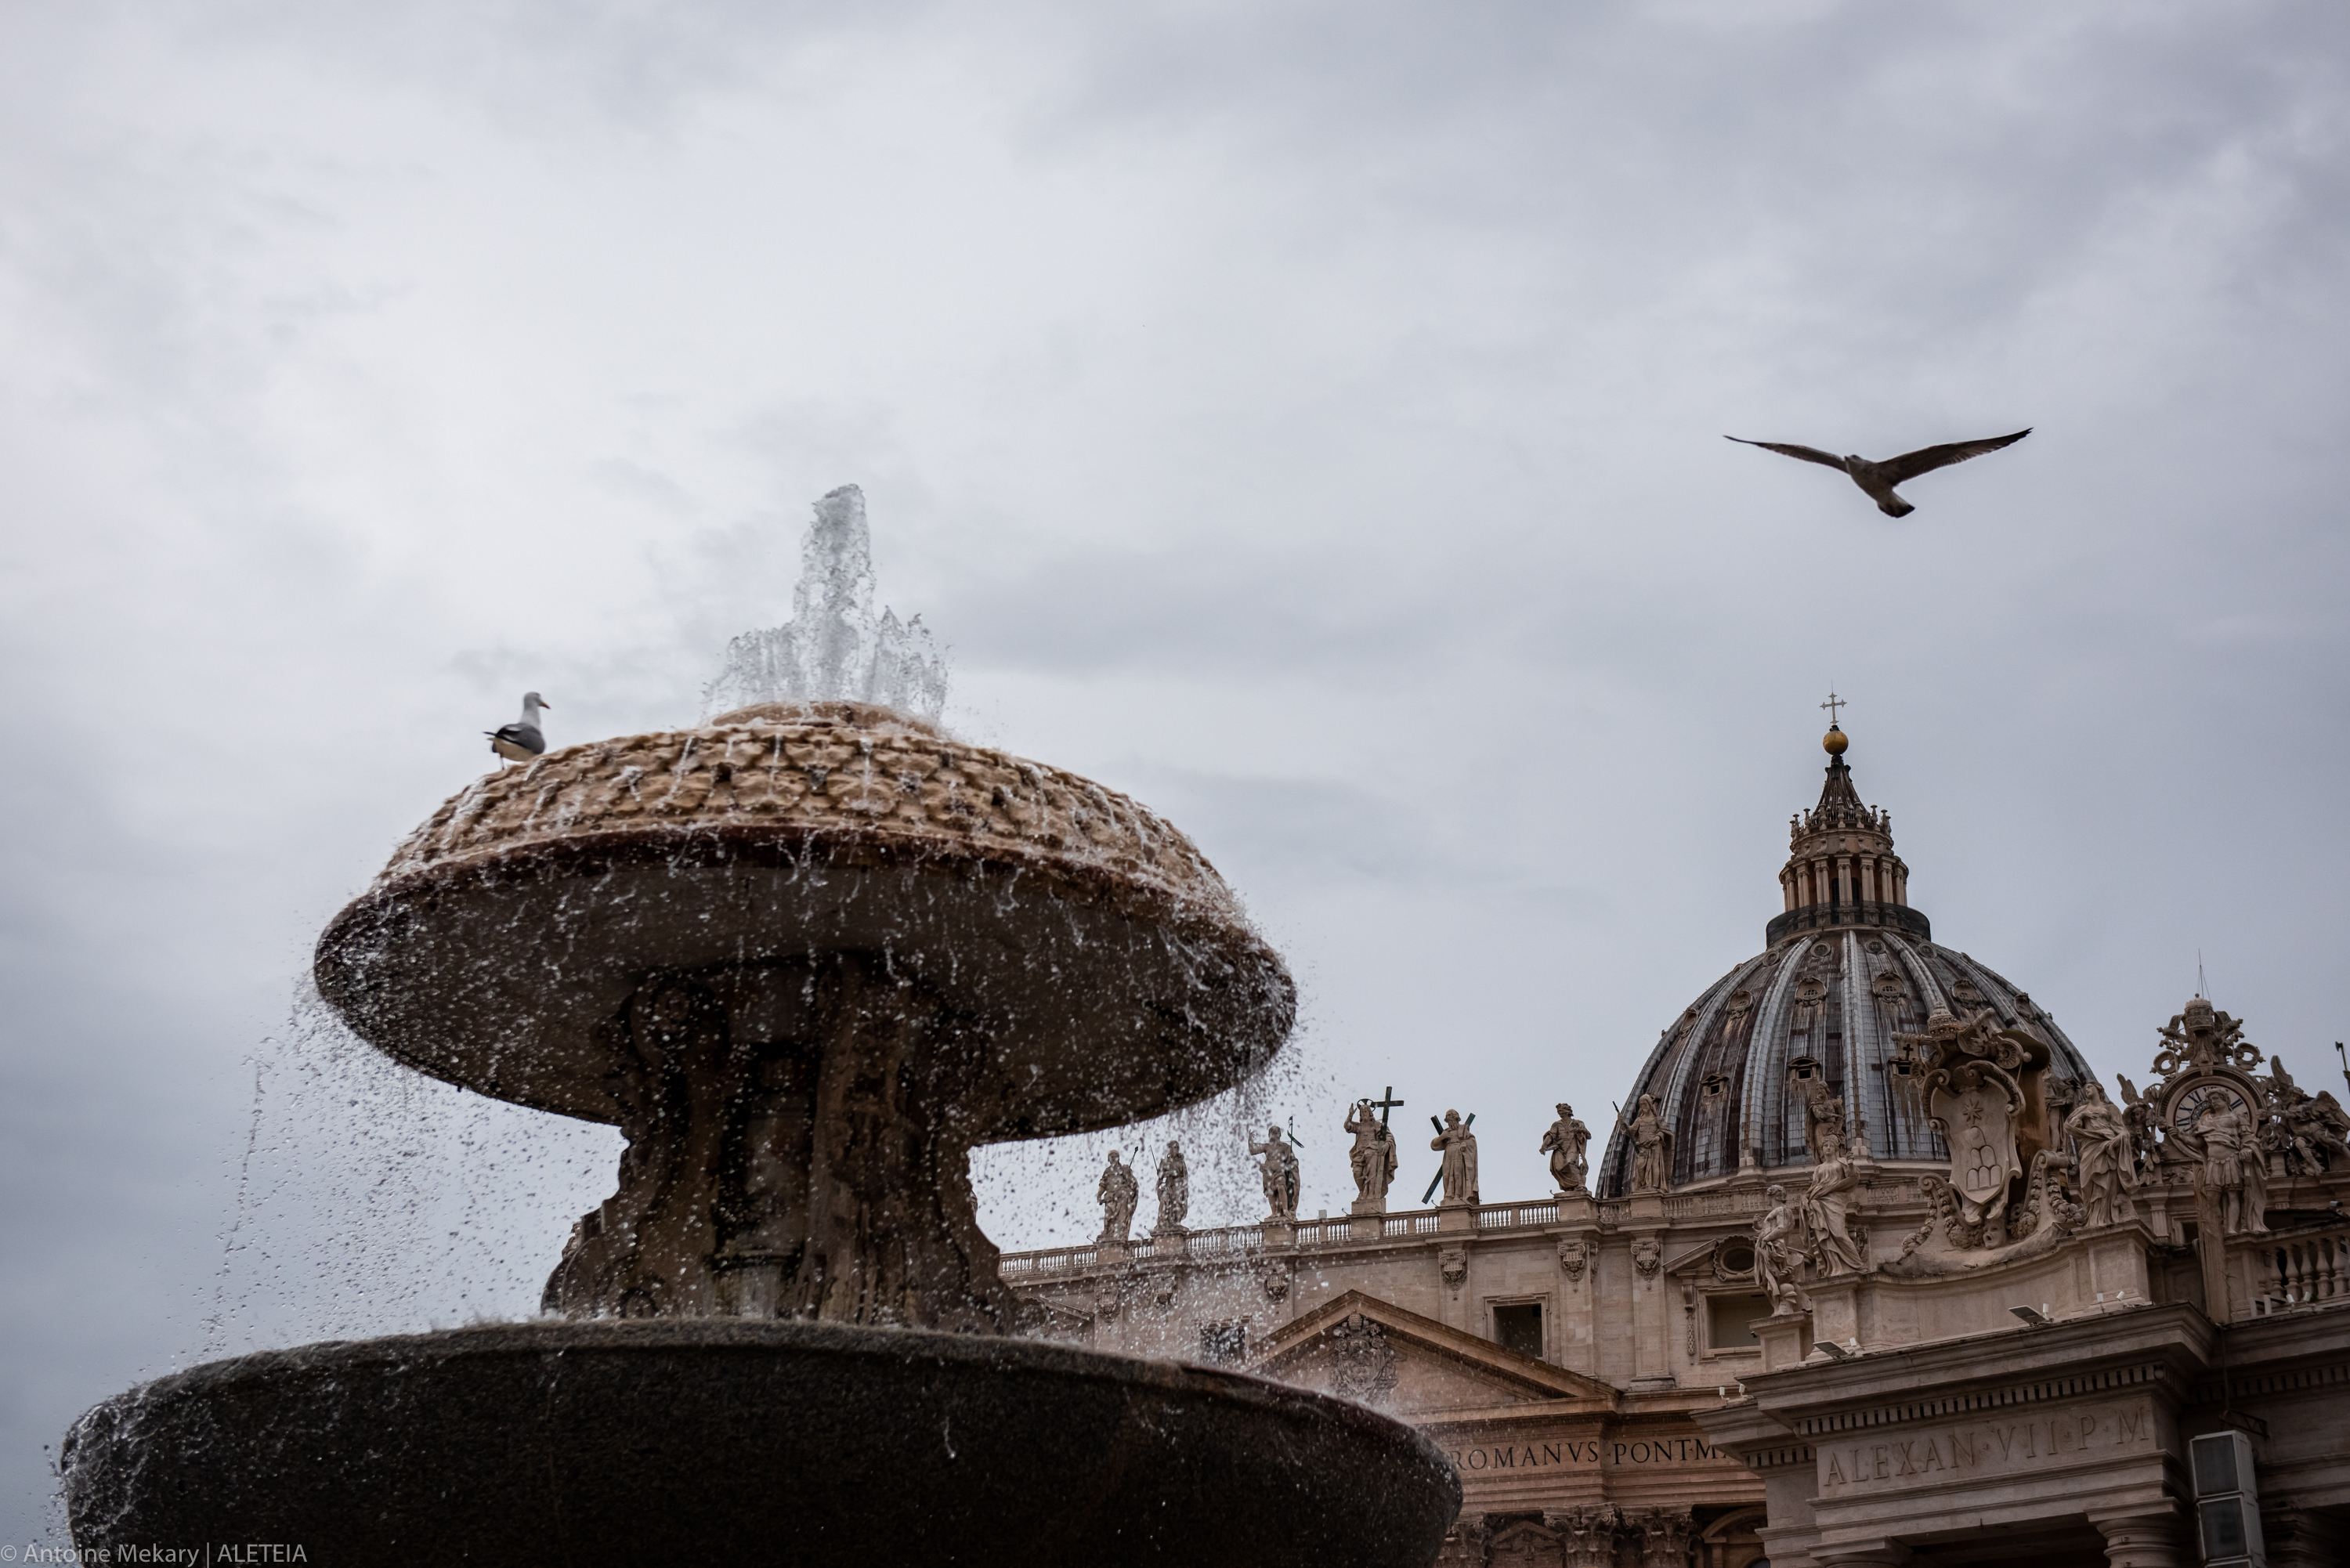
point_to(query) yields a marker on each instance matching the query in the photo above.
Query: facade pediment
(1379, 1354)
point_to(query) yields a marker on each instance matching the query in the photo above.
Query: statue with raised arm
(1174, 1192)
(1458, 1146)
(1372, 1160)
(1278, 1166)
(1565, 1143)
(2104, 1162)
(1118, 1193)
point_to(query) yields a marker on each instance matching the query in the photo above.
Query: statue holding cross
(1373, 1157)
(1459, 1146)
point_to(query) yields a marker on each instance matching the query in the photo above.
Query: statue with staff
(1652, 1146)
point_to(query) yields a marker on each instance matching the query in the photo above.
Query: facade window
(1727, 1318)
(1223, 1343)
(1518, 1327)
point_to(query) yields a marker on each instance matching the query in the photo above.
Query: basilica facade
(1873, 1271)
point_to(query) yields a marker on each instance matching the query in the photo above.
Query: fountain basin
(751, 1442)
(1107, 968)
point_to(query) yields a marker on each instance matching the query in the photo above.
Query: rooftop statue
(1372, 1160)
(1277, 1169)
(1174, 1192)
(1652, 1148)
(2103, 1165)
(1827, 1208)
(1565, 1143)
(1459, 1146)
(1119, 1192)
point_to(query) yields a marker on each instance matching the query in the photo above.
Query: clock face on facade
(2192, 1103)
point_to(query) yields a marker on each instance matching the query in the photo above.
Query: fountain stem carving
(796, 1149)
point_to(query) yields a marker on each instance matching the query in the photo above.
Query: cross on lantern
(1832, 704)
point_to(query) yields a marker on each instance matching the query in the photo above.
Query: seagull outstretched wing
(1813, 453)
(1926, 459)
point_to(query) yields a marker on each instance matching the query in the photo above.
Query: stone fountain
(807, 956)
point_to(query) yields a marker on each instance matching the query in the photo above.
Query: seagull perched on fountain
(1877, 478)
(522, 740)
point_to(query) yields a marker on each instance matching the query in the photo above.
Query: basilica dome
(1848, 963)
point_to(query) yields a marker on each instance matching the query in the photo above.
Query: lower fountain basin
(750, 1442)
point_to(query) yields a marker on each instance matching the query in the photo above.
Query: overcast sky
(1305, 418)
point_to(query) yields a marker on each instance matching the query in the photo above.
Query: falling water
(834, 648)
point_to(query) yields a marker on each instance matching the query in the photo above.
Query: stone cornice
(2160, 1349)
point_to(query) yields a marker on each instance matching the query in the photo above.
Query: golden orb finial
(1835, 742)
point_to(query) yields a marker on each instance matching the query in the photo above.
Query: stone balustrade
(2282, 1271)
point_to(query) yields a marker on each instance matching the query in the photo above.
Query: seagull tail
(1894, 506)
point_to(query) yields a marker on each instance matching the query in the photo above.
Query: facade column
(2144, 1541)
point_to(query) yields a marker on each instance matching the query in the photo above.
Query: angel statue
(2310, 1126)
(2138, 1111)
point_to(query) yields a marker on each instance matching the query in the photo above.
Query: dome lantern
(1841, 870)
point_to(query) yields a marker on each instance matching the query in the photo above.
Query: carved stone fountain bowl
(1094, 959)
(712, 1440)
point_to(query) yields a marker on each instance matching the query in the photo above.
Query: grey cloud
(1303, 416)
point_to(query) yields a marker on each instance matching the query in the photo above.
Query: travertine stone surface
(813, 771)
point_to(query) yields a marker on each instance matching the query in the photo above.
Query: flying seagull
(522, 740)
(1879, 478)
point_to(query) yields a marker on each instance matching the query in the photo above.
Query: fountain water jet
(806, 955)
